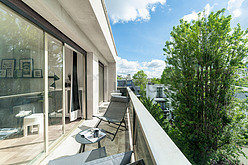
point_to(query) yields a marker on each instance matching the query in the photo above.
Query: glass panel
(141, 148)
(21, 89)
(55, 72)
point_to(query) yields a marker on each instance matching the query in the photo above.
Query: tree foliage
(155, 111)
(155, 81)
(140, 79)
(202, 59)
(163, 77)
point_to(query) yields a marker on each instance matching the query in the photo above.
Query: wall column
(112, 79)
(89, 89)
(106, 97)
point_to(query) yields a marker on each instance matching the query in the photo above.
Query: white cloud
(190, 17)
(194, 15)
(234, 7)
(131, 10)
(153, 9)
(125, 67)
(152, 69)
(207, 9)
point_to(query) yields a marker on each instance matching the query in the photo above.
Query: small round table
(83, 140)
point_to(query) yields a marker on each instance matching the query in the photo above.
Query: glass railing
(150, 141)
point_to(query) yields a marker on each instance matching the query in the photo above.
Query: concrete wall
(112, 79)
(95, 85)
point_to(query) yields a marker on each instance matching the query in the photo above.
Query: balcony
(144, 136)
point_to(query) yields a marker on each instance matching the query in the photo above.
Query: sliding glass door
(55, 83)
(21, 89)
(32, 89)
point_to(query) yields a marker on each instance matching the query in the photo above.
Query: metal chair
(80, 158)
(115, 113)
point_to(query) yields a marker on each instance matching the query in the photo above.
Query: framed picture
(9, 66)
(37, 73)
(2, 73)
(26, 65)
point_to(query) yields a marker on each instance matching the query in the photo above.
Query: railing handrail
(163, 149)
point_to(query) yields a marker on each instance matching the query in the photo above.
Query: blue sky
(141, 28)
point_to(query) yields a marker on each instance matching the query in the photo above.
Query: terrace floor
(21, 150)
(120, 144)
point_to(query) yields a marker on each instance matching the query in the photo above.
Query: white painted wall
(112, 79)
(151, 90)
(106, 85)
(95, 85)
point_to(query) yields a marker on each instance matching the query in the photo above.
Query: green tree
(163, 77)
(202, 59)
(155, 81)
(140, 79)
(119, 78)
(155, 111)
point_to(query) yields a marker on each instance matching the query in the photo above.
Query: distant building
(243, 72)
(242, 97)
(156, 92)
(129, 77)
(122, 84)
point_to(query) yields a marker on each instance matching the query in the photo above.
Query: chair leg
(98, 123)
(117, 131)
(125, 123)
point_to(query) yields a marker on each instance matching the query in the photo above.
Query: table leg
(82, 148)
(99, 144)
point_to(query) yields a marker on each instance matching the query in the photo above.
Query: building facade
(58, 64)
(156, 92)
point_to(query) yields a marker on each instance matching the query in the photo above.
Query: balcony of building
(144, 136)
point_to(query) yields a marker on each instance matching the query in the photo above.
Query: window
(159, 92)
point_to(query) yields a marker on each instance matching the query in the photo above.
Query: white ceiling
(77, 20)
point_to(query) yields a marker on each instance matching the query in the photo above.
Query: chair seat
(94, 157)
(79, 159)
(108, 119)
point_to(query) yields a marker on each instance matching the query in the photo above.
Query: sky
(141, 28)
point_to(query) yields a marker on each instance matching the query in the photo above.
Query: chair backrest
(81, 158)
(139, 162)
(117, 108)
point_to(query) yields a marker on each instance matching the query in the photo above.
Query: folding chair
(94, 157)
(80, 158)
(115, 112)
